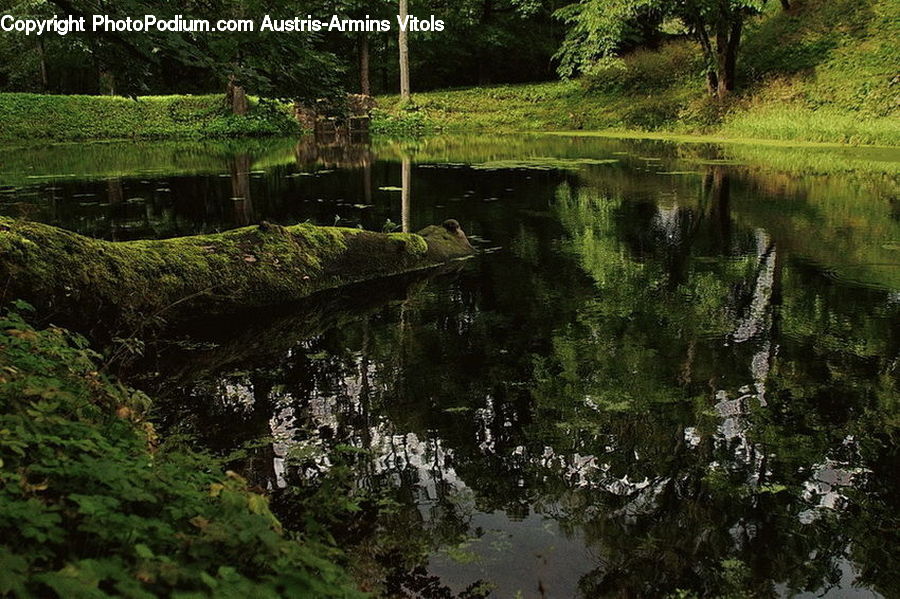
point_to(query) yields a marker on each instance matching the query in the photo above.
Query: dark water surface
(673, 371)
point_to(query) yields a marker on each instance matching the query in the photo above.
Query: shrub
(647, 70)
(89, 507)
(706, 112)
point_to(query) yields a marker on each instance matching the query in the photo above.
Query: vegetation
(810, 70)
(822, 72)
(679, 358)
(137, 281)
(34, 116)
(131, 63)
(597, 30)
(94, 504)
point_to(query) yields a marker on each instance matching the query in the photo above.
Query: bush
(36, 116)
(89, 507)
(706, 112)
(651, 113)
(646, 70)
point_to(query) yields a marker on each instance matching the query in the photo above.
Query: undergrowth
(36, 116)
(92, 504)
(825, 71)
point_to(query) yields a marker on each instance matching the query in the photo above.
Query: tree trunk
(107, 83)
(718, 189)
(240, 189)
(484, 77)
(236, 97)
(365, 87)
(115, 194)
(484, 70)
(721, 58)
(403, 43)
(405, 184)
(712, 81)
(367, 181)
(731, 53)
(42, 57)
(131, 283)
(786, 4)
(728, 40)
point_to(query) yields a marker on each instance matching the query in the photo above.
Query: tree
(358, 46)
(403, 43)
(490, 41)
(599, 28)
(277, 66)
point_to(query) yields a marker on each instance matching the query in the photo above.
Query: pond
(672, 370)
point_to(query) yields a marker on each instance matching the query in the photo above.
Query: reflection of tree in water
(719, 490)
(697, 409)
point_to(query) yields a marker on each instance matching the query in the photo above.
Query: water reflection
(676, 377)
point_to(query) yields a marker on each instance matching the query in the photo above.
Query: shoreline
(85, 119)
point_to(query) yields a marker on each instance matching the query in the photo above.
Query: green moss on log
(261, 265)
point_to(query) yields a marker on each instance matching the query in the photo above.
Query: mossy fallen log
(61, 272)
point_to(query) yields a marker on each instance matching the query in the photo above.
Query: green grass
(34, 116)
(823, 72)
(822, 125)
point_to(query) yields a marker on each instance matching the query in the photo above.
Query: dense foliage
(483, 41)
(790, 70)
(129, 63)
(34, 116)
(598, 29)
(92, 504)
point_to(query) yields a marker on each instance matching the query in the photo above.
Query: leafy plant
(92, 503)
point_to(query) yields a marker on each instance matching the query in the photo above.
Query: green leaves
(86, 511)
(596, 28)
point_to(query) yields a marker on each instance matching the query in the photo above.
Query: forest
(449, 300)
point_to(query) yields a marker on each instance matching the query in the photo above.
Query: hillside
(825, 71)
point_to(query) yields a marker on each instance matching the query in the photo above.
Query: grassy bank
(823, 72)
(33, 116)
(93, 504)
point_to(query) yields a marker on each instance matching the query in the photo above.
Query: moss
(444, 245)
(252, 266)
(414, 245)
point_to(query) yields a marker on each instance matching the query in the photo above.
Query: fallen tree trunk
(135, 281)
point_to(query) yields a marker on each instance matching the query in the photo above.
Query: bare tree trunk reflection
(367, 181)
(405, 178)
(115, 195)
(718, 186)
(261, 459)
(240, 189)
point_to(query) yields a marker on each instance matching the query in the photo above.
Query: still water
(671, 372)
